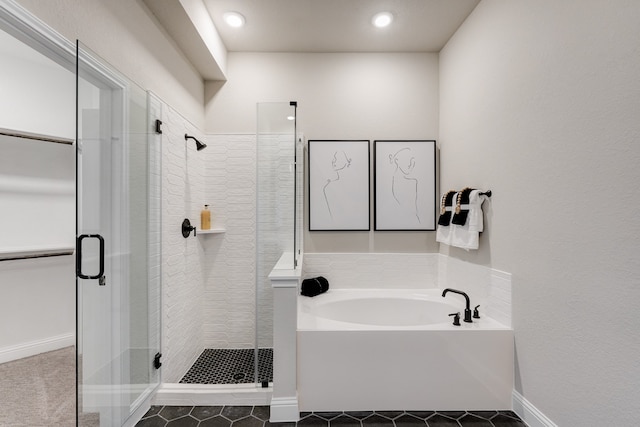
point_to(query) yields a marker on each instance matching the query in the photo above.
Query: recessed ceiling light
(234, 19)
(382, 19)
(291, 118)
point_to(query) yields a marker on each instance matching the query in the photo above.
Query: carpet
(39, 390)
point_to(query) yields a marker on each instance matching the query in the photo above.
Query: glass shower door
(276, 241)
(117, 238)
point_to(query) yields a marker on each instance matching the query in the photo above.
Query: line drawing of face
(406, 196)
(340, 161)
(403, 160)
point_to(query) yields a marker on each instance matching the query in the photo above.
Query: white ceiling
(310, 26)
(339, 25)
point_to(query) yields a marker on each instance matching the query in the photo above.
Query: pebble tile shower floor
(230, 366)
(258, 416)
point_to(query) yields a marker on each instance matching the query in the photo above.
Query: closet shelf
(11, 254)
(35, 136)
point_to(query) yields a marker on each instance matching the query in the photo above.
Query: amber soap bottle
(205, 218)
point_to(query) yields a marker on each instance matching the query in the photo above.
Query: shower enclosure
(268, 172)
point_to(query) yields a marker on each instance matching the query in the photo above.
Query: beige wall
(125, 34)
(340, 96)
(540, 102)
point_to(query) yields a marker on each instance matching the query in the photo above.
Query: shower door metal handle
(79, 272)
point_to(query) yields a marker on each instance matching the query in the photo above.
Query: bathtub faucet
(467, 310)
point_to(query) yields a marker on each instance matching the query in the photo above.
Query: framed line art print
(339, 185)
(405, 185)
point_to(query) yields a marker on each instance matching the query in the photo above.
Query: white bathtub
(398, 350)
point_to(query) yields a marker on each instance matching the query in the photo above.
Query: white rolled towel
(467, 236)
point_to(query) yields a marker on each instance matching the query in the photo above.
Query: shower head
(199, 145)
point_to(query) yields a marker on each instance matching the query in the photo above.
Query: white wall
(126, 35)
(340, 96)
(37, 306)
(539, 102)
(37, 192)
(37, 200)
(39, 88)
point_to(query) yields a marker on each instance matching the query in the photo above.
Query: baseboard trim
(172, 394)
(284, 410)
(138, 413)
(531, 415)
(33, 348)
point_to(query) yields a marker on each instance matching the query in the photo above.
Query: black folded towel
(445, 218)
(460, 218)
(315, 286)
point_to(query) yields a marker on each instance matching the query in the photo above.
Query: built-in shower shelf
(212, 231)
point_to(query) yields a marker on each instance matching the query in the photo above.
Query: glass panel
(299, 191)
(276, 212)
(115, 231)
(143, 184)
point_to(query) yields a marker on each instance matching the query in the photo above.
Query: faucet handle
(476, 314)
(456, 318)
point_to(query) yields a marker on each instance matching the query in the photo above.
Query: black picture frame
(405, 185)
(339, 185)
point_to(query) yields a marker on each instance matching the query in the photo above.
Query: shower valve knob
(187, 228)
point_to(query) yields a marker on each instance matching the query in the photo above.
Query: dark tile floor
(258, 416)
(230, 366)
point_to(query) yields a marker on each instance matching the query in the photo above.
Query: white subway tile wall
(499, 301)
(486, 286)
(373, 270)
(230, 263)
(471, 278)
(183, 259)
